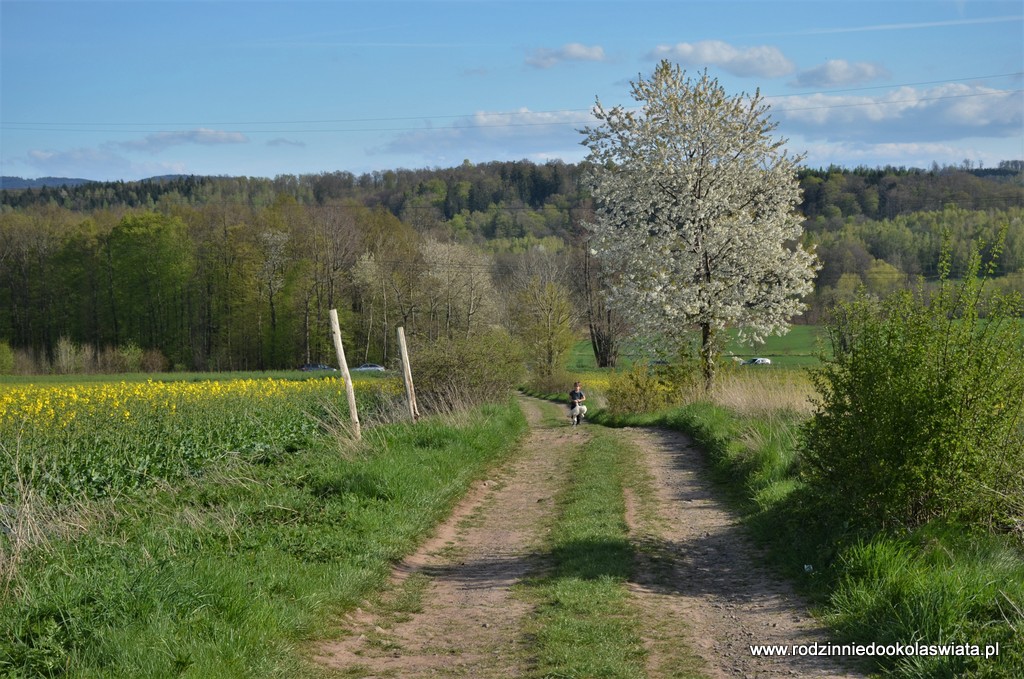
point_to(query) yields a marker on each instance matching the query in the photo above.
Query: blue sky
(126, 90)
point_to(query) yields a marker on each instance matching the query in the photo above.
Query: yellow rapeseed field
(97, 437)
(59, 405)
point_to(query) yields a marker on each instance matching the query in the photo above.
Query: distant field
(797, 349)
(185, 377)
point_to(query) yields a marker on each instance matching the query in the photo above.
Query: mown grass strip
(584, 625)
(233, 573)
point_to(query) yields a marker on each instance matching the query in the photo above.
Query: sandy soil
(699, 584)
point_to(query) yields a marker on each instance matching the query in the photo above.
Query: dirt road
(697, 565)
(470, 623)
(698, 582)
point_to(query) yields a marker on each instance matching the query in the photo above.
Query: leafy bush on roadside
(465, 372)
(559, 382)
(920, 409)
(638, 390)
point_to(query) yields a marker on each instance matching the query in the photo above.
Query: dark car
(369, 366)
(312, 367)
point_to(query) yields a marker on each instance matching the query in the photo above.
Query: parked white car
(370, 366)
(758, 361)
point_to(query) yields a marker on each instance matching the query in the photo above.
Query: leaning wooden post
(410, 391)
(345, 375)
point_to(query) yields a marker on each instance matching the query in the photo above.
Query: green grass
(938, 585)
(584, 625)
(796, 349)
(229, 574)
(581, 357)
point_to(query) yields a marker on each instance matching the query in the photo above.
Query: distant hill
(19, 183)
(14, 183)
(471, 193)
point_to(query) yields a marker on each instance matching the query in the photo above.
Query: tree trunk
(306, 329)
(599, 321)
(708, 353)
(384, 322)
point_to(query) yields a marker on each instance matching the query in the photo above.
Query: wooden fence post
(345, 375)
(410, 391)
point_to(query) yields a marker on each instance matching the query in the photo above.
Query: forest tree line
(240, 273)
(879, 193)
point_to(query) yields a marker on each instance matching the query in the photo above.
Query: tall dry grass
(761, 392)
(755, 392)
(30, 522)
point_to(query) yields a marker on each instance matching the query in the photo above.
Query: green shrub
(920, 409)
(129, 358)
(638, 390)
(6, 359)
(452, 374)
(559, 382)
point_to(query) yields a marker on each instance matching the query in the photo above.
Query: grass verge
(230, 573)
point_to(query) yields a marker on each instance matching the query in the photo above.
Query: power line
(313, 122)
(29, 126)
(317, 130)
(885, 87)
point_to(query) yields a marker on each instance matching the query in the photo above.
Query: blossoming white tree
(696, 212)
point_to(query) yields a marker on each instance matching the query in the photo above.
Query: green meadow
(799, 348)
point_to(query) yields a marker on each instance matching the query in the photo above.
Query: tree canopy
(696, 211)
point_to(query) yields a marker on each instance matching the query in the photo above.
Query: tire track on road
(700, 574)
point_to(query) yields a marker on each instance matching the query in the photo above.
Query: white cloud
(93, 163)
(898, 154)
(511, 123)
(947, 112)
(763, 61)
(155, 143)
(573, 51)
(840, 73)
(490, 135)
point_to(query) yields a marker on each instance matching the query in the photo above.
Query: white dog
(577, 413)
